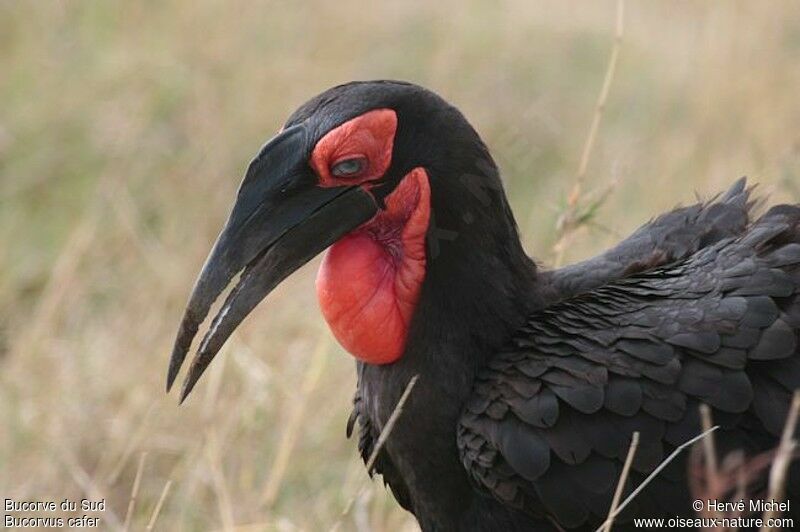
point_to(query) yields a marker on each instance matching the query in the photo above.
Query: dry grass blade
(623, 478)
(289, 436)
(390, 424)
(159, 504)
(133, 441)
(710, 452)
(64, 272)
(708, 443)
(780, 467)
(655, 473)
(150, 249)
(90, 487)
(603, 97)
(220, 486)
(574, 216)
(387, 430)
(134, 491)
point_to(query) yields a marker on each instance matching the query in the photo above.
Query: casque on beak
(281, 219)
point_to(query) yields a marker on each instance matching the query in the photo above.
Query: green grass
(125, 128)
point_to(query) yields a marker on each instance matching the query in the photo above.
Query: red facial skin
(369, 136)
(369, 282)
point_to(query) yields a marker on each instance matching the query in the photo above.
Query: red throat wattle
(370, 280)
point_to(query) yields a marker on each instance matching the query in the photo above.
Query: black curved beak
(280, 221)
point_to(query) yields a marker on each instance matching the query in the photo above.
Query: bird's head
(390, 175)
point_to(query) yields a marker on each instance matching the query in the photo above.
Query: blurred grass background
(125, 128)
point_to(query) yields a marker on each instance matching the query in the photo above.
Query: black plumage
(531, 381)
(716, 322)
(680, 313)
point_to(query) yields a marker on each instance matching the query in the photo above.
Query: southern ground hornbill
(531, 382)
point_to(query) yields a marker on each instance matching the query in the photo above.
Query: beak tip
(175, 364)
(196, 370)
(183, 341)
(188, 385)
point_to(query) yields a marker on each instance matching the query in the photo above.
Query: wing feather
(558, 406)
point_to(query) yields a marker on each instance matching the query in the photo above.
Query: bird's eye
(349, 167)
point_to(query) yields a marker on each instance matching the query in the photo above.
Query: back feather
(550, 419)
